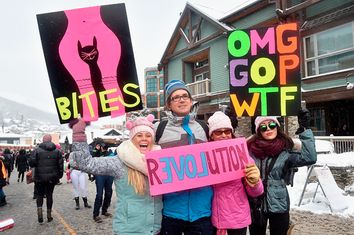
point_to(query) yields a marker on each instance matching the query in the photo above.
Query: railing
(199, 88)
(341, 144)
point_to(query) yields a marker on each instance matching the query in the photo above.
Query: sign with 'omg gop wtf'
(264, 68)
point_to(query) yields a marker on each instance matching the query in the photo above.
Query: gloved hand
(303, 118)
(252, 175)
(78, 126)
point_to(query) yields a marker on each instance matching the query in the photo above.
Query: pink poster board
(198, 165)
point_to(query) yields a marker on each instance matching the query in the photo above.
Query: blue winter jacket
(193, 204)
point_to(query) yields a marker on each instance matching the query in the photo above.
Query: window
(151, 101)
(201, 76)
(151, 85)
(330, 50)
(318, 121)
(200, 64)
(150, 73)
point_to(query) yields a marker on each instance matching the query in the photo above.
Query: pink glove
(78, 126)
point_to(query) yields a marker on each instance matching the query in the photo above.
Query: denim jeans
(103, 182)
(172, 226)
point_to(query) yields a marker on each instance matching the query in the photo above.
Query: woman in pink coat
(230, 207)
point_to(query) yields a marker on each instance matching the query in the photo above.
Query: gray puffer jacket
(277, 198)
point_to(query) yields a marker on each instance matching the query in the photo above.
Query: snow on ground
(320, 204)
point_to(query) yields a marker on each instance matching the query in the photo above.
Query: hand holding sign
(252, 175)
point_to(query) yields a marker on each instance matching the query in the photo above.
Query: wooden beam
(184, 35)
(196, 31)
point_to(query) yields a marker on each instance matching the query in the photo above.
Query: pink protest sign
(198, 165)
(90, 62)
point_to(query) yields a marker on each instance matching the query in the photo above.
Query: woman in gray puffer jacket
(273, 153)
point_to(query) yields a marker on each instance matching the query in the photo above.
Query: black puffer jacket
(21, 162)
(48, 162)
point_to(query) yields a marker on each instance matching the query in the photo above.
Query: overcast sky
(23, 72)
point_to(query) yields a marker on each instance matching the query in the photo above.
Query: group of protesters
(8, 161)
(254, 201)
(251, 202)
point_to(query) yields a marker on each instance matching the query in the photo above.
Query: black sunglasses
(264, 127)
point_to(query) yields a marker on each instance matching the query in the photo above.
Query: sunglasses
(219, 132)
(264, 127)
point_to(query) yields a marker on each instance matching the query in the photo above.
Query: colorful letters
(265, 71)
(193, 166)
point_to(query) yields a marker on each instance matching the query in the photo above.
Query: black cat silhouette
(89, 54)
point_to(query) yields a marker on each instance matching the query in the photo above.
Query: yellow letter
(269, 68)
(125, 89)
(75, 111)
(104, 101)
(249, 108)
(63, 103)
(88, 101)
(284, 97)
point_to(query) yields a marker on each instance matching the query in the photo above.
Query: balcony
(199, 88)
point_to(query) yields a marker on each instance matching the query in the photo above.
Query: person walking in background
(48, 163)
(9, 163)
(3, 181)
(79, 183)
(21, 164)
(273, 153)
(189, 211)
(130, 176)
(231, 210)
(103, 187)
(67, 168)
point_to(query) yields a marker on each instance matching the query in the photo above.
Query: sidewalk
(22, 208)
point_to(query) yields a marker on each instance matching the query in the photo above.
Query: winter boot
(49, 215)
(40, 215)
(77, 203)
(85, 202)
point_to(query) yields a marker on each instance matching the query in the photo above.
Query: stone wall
(244, 127)
(292, 126)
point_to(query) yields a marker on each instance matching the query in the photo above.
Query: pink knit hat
(141, 124)
(261, 119)
(217, 121)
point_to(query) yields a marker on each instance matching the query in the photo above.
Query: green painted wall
(175, 69)
(218, 59)
(257, 17)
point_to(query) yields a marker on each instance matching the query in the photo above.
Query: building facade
(197, 54)
(154, 96)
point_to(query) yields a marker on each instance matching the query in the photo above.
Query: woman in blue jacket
(136, 211)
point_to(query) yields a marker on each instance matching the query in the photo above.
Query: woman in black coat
(21, 164)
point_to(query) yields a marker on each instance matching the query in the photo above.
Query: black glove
(303, 118)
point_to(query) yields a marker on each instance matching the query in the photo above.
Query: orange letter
(249, 108)
(285, 65)
(291, 41)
